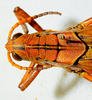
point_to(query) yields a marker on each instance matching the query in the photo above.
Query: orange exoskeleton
(70, 49)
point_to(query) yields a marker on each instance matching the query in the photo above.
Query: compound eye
(15, 36)
(16, 56)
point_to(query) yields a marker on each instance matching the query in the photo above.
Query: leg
(86, 23)
(86, 76)
(20, 14)
(82, 25)
(29, 77)
(25, 29)
(80, 72)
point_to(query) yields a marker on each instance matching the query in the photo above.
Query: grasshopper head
(16, 46)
